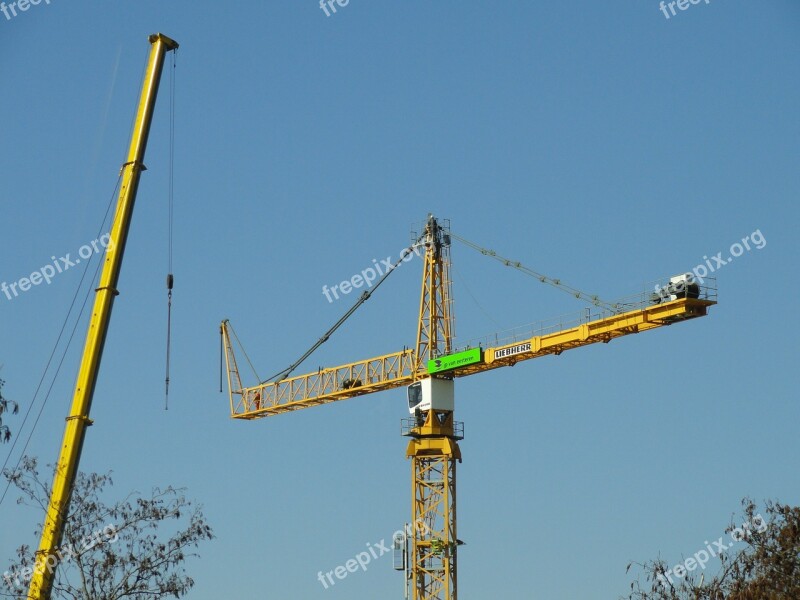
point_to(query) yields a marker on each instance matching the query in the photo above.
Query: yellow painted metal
(435, 329)
(591, 332)
(434, 451)
(232, 369)
(324, 386)
(399, 369)
(46, 557)
(433, 448)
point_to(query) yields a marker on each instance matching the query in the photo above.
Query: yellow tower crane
(47, 555)
(429, 369)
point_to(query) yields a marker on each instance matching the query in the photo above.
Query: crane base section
(434, 453)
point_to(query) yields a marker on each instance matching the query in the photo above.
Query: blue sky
(598, 142)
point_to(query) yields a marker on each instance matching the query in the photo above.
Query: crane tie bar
(556, 283)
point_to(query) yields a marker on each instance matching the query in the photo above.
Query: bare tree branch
(112, 552)
(767, 567)
(6, 406)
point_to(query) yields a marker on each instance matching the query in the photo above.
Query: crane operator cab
(432, 393)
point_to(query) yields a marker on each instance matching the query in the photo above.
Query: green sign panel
(453, 361)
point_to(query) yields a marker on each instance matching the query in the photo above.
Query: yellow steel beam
(231, 367)
(66, 469)
(434, 452)
(399, 369)
(326, 385)
(435, 324)
(591, 332)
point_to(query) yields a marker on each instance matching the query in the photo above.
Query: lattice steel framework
(434, 453)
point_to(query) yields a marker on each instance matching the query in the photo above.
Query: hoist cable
(64, 326)
(171, 204)
(463, 282)
(221, 351)
(55, 348)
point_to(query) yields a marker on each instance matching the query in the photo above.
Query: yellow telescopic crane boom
(429, 369)
(67, 467)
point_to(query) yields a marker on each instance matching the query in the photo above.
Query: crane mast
(435, 330)
(433, 447)
(78, 420)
